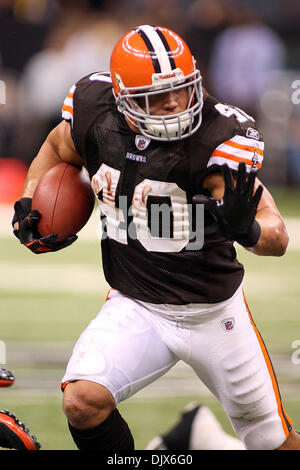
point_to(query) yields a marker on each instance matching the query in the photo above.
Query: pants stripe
(285, 419)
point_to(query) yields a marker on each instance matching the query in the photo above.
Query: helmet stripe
(162, 59)
(151, 50)
(167, 47)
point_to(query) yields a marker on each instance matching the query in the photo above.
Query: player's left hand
(235, 212)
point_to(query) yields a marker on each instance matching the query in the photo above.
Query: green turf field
(47, 300)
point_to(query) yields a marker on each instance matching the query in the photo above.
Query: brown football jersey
(156, 245)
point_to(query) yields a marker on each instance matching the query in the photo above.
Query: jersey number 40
(158, 216)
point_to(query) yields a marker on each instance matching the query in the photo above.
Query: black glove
(235, 212)
(28, 233)
(22, 209)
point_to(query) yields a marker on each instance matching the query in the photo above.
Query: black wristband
(252, 236)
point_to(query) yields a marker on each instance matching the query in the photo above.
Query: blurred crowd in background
(248, 52)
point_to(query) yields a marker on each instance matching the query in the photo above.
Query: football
(65, 200)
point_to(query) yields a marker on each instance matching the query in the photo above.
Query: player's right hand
(25, 224)
(235, 212)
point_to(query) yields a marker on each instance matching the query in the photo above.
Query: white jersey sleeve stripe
(67, 109)
(239, 139)
(233, 165)
(241, 153)
(69, 101)
(238, 149)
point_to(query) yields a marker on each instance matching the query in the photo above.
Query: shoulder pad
(87, 100)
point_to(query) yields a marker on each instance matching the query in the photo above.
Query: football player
(175, 172)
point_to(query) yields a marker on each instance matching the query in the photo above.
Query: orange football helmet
(151, 60)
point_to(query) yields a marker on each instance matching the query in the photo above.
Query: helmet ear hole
(146, 62)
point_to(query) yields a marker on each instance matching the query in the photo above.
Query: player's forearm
(57, 147)
(45, 159)
(273, 240)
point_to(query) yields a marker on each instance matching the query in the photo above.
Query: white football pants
(131, 343)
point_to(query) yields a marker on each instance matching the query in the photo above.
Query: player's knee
(87, 404)
(265, 435)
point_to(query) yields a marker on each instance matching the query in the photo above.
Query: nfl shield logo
(142, 142)
(228, 324)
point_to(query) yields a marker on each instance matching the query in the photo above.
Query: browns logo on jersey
(145, 187)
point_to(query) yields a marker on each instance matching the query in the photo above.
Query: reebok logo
(252, 133)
